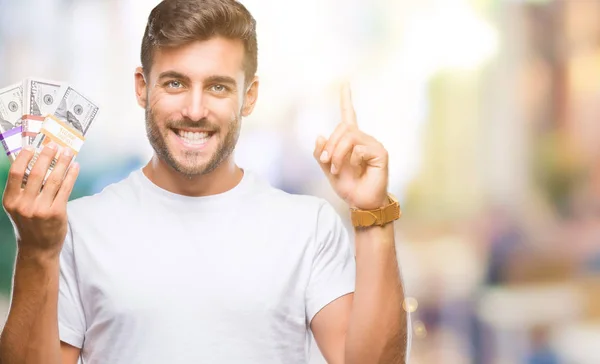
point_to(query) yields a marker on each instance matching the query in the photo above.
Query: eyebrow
(173, 74)
(221, 79)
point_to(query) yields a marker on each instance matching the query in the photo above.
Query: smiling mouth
(193, 138)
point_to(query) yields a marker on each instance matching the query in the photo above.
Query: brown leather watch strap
(378, 217)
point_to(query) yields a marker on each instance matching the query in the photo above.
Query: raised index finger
(348, 113)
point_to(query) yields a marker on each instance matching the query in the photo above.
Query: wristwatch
(377, 217)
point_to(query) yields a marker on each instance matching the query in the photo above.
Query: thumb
(367, 155)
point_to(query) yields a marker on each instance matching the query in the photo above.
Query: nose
(194, 108)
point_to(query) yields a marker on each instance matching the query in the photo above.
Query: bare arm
(330, 325)
(31, 331)
(377, 327)
(69, 354)
(39, 216)
(356, 165)
(370, 325)
(34, 304)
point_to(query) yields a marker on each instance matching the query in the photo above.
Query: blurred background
(490, 110)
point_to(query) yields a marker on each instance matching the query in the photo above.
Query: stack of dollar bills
(36, 112)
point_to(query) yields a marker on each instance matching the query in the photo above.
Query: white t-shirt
(148, 276)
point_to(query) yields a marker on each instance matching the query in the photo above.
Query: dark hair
(173, 23)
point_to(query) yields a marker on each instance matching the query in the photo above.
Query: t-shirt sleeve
(71, 318)
(334, 268)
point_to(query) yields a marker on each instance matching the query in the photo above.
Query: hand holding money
(42, 128)
(39, 214)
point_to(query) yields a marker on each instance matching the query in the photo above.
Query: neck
(222, 179)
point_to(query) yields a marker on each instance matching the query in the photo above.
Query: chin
(189, 169)
(198, 167)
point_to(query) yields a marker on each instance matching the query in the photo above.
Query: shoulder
(300, 207)
(300, 218)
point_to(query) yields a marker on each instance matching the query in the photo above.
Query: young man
(193, 259)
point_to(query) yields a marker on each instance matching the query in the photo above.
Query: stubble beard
(190, 167)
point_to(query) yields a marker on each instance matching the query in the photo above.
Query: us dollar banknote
(11, 110)
(66, 127)
(41, 98)
(76, 111)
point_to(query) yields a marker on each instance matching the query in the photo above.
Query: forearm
(377, 327)
(31, 331)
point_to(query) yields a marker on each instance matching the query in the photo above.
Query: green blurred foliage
(7, 239)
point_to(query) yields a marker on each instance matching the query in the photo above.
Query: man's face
(194, 101)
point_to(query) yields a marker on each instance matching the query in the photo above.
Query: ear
(250, 97)
(141, 87)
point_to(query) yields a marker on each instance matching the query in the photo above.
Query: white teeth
(193, 137)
